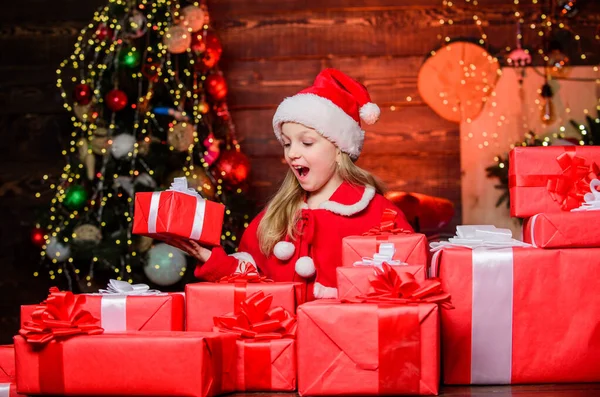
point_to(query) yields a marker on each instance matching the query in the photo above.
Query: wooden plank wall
(272, 48)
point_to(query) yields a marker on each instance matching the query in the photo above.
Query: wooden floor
(575, 390)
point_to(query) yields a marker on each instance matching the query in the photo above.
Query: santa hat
(334, 106)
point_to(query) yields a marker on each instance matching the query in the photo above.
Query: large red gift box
(119, 313)
(550, 179)
(368, 348)
(354, 281)
(204, 300)
(157, 363)
(563, 229)
(180, 212)
(7, 363)
(409, 248)
(522, 315)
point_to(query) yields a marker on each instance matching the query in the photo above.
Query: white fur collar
(348, 209)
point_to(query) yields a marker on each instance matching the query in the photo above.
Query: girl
(323, 198)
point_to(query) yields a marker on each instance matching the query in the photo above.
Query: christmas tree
(148, 104)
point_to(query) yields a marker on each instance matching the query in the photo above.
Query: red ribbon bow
(569, 188)
(257, 320)
(60, 316)
(389, 286)
(388, 221)
(249, 274)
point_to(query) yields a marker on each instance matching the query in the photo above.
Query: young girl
(324, 197)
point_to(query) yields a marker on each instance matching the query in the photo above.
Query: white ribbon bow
(117, 287)
(180, 185)
(591, 199)
(385, 254)
(475, 236)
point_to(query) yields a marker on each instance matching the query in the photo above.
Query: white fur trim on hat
(305, 266)
(284, 250)
(350, 209)
(322, 292)
(325, 117)
(369, 113)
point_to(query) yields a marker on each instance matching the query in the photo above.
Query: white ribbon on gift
(385, 254)
(5, 389)
(179, 185)
(492, 298)
(591, 199)
(113, 305)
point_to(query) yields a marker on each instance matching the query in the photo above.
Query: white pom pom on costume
(369, 113)
(305, 266)
(284, 250)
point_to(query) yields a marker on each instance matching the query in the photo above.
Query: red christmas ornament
(116, 100)
(37, 237)
(82, 94)
(213, 50)
(232, 167)
(198, 44)
(216, 86)
(102, 32)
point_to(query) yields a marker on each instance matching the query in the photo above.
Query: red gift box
(354, 281)
(523, 315)
(119, 313)
(7, 363)
(368, 349)
(563, 230)
(157, 363)
(550, 179)
(178, 213)
(410, 248)
(204, 301)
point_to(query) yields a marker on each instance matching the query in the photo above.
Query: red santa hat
(334, 106)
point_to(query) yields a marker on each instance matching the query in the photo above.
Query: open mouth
(301, 171)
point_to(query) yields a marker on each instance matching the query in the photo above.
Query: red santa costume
(333, 106)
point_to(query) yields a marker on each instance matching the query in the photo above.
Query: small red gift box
(368, 349)
(157, 363)
(523, 315)
(354, 281)
(563, 230)
(204, 301)
(178, 212)
(7, 363)
(550, 179)
(119, 313)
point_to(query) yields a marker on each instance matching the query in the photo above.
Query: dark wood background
(272, 49)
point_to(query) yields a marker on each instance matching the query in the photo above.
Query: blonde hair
(283, 211)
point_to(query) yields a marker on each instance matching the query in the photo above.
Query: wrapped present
(178, 212)
(266, 350)
(572, 229)
(523, 315)
(7, 364)
(62, 351)
(384, 343)
(204, 300)
(125, 307)
(403, 247)
(550, 179)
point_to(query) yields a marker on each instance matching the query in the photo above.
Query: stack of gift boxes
(519, 312)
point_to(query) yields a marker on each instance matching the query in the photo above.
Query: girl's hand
(191, 248)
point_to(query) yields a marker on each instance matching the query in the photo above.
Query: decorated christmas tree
(148, 104)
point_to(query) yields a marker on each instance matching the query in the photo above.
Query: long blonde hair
(283, 210)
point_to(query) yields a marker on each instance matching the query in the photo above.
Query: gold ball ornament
(457, 80)
(193, 17)
(181, 136)
(178, 39)
(198, 180)
(144, 243)
(87, 233)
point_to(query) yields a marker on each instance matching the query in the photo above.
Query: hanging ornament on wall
(82, 94)
(129, 57)
(216, 86)
(213, 149)
(87, 233)
(548, 112)
(166, 265)
(75, 197)
(193, 17)
(213, 50)
(122, 145)
(181, 136)
(103, 32)
(457, 80)
(136, 25)
(116, 100)
(37, 236)
(57, 250)
(232, 167)
(178, 39)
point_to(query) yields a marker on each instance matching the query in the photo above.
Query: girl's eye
(307, 143)
(286, 145)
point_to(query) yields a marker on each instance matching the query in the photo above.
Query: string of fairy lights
(103, 50)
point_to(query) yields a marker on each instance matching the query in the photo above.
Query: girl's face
(311, 157)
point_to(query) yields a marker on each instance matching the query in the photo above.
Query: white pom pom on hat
(283, 250)
(334, 106)
(305, 266)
